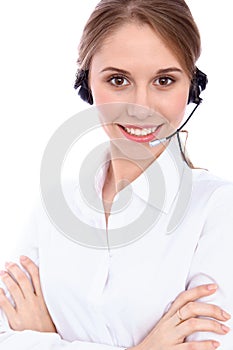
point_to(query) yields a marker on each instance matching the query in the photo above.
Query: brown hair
(171, 19)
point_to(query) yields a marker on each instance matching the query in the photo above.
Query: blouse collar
(166, 179)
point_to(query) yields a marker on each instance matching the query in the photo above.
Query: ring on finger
(179, 315)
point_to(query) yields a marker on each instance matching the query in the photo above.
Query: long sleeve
(112, 299)
(28, 340)
(213, 259)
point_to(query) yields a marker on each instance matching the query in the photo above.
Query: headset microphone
(198, 84)
(158, 141)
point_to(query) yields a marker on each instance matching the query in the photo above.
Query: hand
(30, 311)
(181, 320)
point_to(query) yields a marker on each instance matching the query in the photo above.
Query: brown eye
(118, 81)
(164, 81)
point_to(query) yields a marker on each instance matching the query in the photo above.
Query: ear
(81, 83)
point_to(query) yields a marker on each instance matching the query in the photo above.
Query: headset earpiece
(81, 83)
(198, 84)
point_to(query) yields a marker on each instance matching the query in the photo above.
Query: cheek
(174, 110)
(101, 94)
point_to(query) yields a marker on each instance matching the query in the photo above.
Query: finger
(22, 280)
(194, 309)
(199, 345)
(190, 295)
(6, 305)
(13, 287)
(193, 325)
(33, 271)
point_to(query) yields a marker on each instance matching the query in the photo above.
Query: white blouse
(111, 297)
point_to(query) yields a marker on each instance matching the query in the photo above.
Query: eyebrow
(114, 69)
(160, 71)
(170, 69)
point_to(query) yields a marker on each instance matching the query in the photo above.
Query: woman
(136, 61)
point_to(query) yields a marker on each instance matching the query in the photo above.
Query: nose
(140, 107)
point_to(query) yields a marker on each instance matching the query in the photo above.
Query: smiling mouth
(139, 131)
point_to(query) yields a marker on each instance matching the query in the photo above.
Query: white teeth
(144, 132)
(140, 132)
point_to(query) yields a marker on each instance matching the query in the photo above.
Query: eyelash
(116, 77)
(172, 80)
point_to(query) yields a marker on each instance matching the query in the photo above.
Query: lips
(140, 133)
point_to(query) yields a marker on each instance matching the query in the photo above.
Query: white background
(39, 42)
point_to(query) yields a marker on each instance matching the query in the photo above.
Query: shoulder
(206, 183)
(215, 194)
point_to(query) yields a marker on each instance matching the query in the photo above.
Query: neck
(123, 170)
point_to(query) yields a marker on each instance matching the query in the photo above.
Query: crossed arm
(29, 310)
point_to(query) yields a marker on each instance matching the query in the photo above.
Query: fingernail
(2, 273)
(226, 315)
(225, 328)
(212, 286)
(215, 344)
(23, 257)
(8, 263)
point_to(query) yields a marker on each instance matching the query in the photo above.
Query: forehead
(136, 44)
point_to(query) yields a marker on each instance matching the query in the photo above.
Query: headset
(198, 84)
(81, 83)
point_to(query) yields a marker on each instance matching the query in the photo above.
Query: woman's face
(136, 69)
